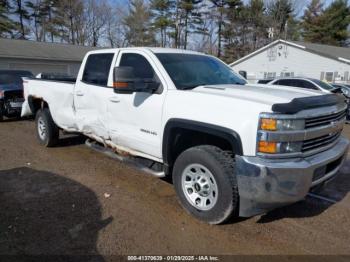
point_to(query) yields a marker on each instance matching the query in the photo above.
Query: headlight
(345, 91)
(274, 123)
(271, 124)
(279, 147)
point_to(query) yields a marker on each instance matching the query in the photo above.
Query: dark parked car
(11, 92)
(265, 81)
(304, 82)
(346, 92)
(344, 88)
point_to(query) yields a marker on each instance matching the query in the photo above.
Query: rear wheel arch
(181, 134)
(36, 104)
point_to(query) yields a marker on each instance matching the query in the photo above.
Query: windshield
(323, 84)
(7, 78)
(189, 71)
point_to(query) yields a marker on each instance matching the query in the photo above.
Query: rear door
(91, 95)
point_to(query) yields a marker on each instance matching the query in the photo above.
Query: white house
(285, 59)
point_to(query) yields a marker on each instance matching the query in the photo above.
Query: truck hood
(264, 94)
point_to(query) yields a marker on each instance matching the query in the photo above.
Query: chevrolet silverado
(231, 149)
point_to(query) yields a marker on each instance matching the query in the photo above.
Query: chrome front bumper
(265, 184)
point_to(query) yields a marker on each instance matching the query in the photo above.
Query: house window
(322, 76)
(329, 76)
(346, 76)
(268, 75)
(287, 74)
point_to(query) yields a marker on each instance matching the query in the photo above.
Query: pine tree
(326, 26)
(221, 7)
(293, 28)
(191, 18)
(161, 13)
(50, 13)
(257, 19)
(21, 12)
(7, 25)
(311, 22)
(280, 11)
(237, 31)
(138, 24)
(335, 22)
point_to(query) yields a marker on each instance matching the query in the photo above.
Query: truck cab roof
(151, 49)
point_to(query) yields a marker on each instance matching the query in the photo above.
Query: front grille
(319, 142)
(324, 120)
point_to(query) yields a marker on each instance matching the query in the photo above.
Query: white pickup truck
(231, 148)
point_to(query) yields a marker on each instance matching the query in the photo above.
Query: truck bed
(57, 94)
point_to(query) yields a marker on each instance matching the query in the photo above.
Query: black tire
(1, 116)
(221, 166)
(50, 135)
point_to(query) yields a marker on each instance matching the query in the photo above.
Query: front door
(135, 119)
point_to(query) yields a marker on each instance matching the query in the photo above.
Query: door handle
(114, 99)
(79, 93)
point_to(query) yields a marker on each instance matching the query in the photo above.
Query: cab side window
(309, 85)
(142, 68)
(286, 82)
(297, 83)
(97, 68)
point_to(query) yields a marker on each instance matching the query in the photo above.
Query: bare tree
(115, 30)
(96, 20)
(68, 19)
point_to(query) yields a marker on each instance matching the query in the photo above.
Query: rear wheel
(205, 183)
(47, 130)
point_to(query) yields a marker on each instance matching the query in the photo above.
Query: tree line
(228, 29)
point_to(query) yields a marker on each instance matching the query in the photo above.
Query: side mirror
(243, 73)
(125, 81)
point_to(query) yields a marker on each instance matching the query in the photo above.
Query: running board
(129, 161)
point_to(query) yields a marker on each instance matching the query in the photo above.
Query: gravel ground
(72, 200)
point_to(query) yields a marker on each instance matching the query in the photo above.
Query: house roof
(26, 49)
(341, 54)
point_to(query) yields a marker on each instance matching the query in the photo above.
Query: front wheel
(47, 130)
(205, 183)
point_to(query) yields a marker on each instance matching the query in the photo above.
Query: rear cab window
(97, 69)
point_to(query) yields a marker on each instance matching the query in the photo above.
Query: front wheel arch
(179, 133)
